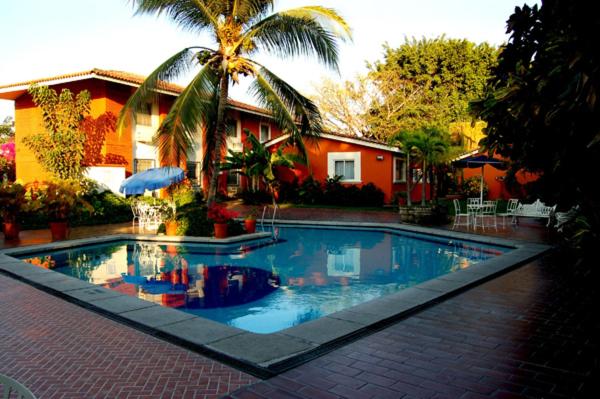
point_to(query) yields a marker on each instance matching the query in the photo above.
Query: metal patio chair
(511, 207)
(458, 215)
(13, 389)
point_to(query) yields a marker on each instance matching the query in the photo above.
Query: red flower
(219, 214)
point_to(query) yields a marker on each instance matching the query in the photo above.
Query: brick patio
(530, 333)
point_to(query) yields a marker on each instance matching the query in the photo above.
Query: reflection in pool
(308, 274)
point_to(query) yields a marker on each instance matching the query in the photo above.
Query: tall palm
(240, 28)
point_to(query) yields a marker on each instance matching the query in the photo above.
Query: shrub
(250, 197)
(192, 220)
(471, 187)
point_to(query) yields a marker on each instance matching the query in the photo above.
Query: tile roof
(131, 78)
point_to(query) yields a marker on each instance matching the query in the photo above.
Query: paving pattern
(59, 350)
(529, 334)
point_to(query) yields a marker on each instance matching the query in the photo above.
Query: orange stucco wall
(494, 179)
(28, 121)
(373, 170)
(106, 97)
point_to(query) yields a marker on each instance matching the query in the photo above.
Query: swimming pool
(269, 286)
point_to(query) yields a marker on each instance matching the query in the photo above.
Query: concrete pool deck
(266, 355)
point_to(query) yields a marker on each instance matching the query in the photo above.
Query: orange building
(359, 161)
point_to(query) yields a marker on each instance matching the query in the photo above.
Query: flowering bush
(219, 214)
(7, 161)
(12, 200)
(471, 187)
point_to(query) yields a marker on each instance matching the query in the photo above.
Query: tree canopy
(542, 105)
(240, 29)
(7, 131)
(427, 83)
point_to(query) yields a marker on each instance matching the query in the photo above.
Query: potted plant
(170, 219)
(220, 216)
(12, 201)
(250, 222)
(61, 200)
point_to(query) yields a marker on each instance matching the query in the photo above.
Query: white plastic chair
(136, 212)
(458, 214)
(511, 207)
(13, 389)
(487, 212)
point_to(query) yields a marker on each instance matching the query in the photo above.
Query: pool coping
(266, 355)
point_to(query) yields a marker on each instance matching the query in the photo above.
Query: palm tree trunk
(219, 140)
(408, 180)
(423, 182)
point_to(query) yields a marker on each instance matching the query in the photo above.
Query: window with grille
(193, 171)
(233, 178)
(399, 170)
(140, 165)
(144, 116)
(231, 128)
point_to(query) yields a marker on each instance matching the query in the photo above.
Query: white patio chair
(487, 213)
(13, 389)
(511, 207)
(474, 201)
(136, 212)
(458, 214)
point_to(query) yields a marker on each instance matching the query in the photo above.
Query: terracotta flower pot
(250, 225)
(59, 230)
(171, 228)
(220, 230)
(11, 230)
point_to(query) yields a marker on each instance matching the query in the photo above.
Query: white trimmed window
(344, 164)
(399, 170)
(265, 132)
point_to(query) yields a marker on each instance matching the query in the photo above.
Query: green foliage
(331, 192)
(60, 200)
(192, 220)
(428, 82)
(108, 208)
(61, 148)
(12, 200)
(7, 131)
(542, 105)
(471, 187)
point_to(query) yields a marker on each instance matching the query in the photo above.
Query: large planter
(220, 230)
(11, 230)
(171, 228)
(59, 230)
(250, 225)
(417, 214)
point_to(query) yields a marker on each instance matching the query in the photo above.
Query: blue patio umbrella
(479, 161)
(151, 179)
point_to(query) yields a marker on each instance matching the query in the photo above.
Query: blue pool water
(309, 273)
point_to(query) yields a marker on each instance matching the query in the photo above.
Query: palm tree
(240, 29)
(257, 163)
(431, 144)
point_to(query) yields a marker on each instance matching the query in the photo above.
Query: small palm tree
(257, 163)
(431, 145)
(240, 29)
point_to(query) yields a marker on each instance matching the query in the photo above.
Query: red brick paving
(59, 350)
(529, 334)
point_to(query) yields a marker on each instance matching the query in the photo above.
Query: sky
(40, 38)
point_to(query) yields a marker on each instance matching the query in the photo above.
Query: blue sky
(44, 38)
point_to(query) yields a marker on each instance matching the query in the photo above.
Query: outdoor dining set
(148, 216)
(480, 213)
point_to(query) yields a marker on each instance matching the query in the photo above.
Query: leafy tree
(542, 105)
(344, 105)
(427, 82)
(258, 163)
(60, 149)
(240, 29)
(7, 131)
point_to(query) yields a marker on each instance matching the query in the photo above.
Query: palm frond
(172, 68)
(247, 11)
(174, 137)
(295, 114)
(308, 31)
(191, 15)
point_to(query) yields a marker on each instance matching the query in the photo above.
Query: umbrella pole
(481, 187)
